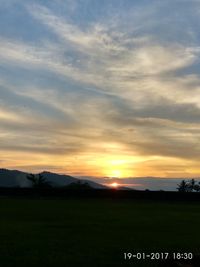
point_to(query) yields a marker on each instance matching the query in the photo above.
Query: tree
(38, 181)
(189, 186)
(183, 186)
(194, 186)
(197, 187)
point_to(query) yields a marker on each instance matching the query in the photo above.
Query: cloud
(81, 87)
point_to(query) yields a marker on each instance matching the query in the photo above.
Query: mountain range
(15, 178)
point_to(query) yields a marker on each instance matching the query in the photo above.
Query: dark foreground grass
(93, 232)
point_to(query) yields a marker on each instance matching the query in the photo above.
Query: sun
(115, 185)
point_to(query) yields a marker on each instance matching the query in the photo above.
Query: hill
(15, 178)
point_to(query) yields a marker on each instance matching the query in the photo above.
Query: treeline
(40, 182)
(189, 186)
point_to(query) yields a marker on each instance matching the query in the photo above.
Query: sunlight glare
(115, 185)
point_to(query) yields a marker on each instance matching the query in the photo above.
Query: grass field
(93, 232)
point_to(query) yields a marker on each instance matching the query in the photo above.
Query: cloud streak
(96, 89)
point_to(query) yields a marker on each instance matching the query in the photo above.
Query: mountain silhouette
(15, 178)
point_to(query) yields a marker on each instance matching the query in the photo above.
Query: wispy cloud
(114, 80)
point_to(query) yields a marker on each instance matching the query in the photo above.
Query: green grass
(92, 232)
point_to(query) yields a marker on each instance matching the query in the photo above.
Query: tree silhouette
(189, 186)
(197, 187)
(38, 181)
(183, 186)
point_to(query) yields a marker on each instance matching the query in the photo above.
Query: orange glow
(115, 185)
(113, 165)
(116, 173)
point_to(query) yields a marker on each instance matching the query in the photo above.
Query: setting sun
(115, 185)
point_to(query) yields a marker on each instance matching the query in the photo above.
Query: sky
(100, 88)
